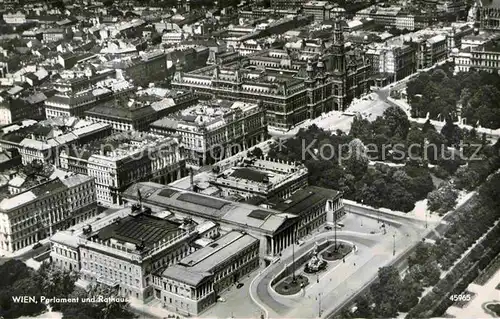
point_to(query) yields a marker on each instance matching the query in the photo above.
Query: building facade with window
(125, 253)
(213, 130)
(291, 89)
(124, 159)
(264, 177)
(39, 212)
(192, 285)
(489, 15)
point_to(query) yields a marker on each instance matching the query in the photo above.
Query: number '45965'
(461, 297)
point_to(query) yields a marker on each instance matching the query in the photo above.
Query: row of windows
(65, 252)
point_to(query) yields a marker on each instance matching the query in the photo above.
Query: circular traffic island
(335, 253)
(289, 286)
(493, 308)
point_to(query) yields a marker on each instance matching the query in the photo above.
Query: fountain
(315, 264)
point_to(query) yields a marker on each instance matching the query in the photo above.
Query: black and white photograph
(249, 159)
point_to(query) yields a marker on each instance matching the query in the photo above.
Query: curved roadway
(344, 280)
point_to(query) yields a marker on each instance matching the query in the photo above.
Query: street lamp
(335, 228)
(361, 216)
(319, 304)
(425, 219)
(294, 234)
(394, 244)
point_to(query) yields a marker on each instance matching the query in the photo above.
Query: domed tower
(310, 70)
(321, 67)
(321, 71)
(310, 81)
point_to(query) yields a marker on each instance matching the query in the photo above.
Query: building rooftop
(122, 145)
(198, 266)
(66, 238)
(258, 175)
(492, 46)
(49, 187)
(300, 201)
(139, 229)
(205, 115)
(215, 209)
(125, 113)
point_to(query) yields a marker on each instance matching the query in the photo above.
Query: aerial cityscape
(262, 159)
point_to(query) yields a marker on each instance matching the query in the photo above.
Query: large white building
(171, 249)
(211, 130)
(125, 253)
(126, 158)
(264, 177)
(44, 141)
(479, 52)
(14, 18)
(39, 212)
(192, 285)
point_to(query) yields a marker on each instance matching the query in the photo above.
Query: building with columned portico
(276, 223)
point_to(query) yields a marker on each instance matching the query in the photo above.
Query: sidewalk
(382, 210)
(22, 251)
(152, 308)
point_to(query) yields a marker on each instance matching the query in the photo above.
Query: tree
(386, 292)
(409, 294)
(428, 127)
(422, 255)
(357, 161)
(12, 271)
(102, 310)
(415, 142)
(490, 192)
(451, 132)
(17, 280)
(397, 121)
(466, 178)
(431, 273)
(257, 152)
(421, 181)
(400, 198)
(55, 282)
(363, 307)
(484, 107)
(442, 199)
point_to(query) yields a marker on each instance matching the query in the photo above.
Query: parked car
(328, 227)
(220, 299)
(239, 285)
(37, 245)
